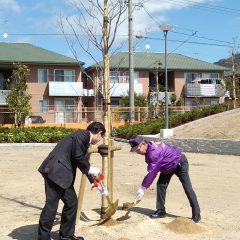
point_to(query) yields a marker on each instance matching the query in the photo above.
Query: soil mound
(109, 222)
(185, 226)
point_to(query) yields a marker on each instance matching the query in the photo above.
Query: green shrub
(33, 135)
(55, 134)
(174, 120)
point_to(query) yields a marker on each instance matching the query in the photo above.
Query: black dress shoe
(71, 238)
(196, 218)
(158, 214)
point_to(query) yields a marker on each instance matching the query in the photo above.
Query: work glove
(103, 190)
(94, 171)
(141, 191)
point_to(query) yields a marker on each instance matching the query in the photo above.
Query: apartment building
(55, 82)
(193, 80)
(61, 93)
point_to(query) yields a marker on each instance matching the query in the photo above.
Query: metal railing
(73, 115)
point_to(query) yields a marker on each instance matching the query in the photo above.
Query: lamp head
(166, 28)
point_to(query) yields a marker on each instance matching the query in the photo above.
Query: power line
(228, 44)
(211, 7)
(194, 34)
(192, 42)
(210, 39)
(183, 42)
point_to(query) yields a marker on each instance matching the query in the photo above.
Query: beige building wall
(179, 82)
(40, 91)
(144, 80)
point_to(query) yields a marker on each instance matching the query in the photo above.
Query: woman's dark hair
(96, 127)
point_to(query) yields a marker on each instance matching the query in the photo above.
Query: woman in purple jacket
(168, 160)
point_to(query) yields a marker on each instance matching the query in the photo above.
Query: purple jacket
(160, 157)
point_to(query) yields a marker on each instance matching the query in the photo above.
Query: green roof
(30, 54)
(147, 60)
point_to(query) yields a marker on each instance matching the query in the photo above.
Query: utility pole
(131, 64)
(234, 80)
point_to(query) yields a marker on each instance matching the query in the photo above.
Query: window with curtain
(191, 77)
(114, 76)
(211, 78)
(43, 106)
(42, 75)
(64, 75)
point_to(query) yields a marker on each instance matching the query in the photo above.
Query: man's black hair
(96, 127)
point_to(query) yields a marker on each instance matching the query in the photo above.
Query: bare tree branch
(89, 23)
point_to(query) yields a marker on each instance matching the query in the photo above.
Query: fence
(71, 115)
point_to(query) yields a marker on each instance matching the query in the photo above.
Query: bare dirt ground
(215, 178)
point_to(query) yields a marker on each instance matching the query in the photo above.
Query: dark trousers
(68, 218)
(182, 173)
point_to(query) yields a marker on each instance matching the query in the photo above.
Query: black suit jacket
(61, 163)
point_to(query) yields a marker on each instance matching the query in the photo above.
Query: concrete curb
(214, 146)
(27, 144)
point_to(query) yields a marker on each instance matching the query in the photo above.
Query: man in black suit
(59, 171)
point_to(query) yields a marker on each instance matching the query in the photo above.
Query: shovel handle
(107, 196)
(108, 199)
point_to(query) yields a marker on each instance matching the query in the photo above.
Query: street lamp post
(166, 29)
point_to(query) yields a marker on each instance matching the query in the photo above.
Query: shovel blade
(111, 209)
(128, 205)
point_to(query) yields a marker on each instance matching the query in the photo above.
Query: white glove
(103, 190)
(141, 191)
(94, 171)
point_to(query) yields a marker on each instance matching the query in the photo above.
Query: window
(1, 81)
(43, 106)
(115, 102)
(136, 77)
(114, 77)
(191, 77)
(64, 110)
(211, 78)
(64, 104)
(64, 76)
(126, 77)
(42, 75)
(210, 75)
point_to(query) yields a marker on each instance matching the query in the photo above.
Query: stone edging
(214, 146)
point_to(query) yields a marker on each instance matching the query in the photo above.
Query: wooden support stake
(111, 170)
(80, 198)
(82, 187)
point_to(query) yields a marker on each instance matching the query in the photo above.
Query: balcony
(120, 89)
(66, 89)
(3, 97)
(203, 90)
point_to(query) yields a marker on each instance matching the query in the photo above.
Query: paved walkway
(224, 147)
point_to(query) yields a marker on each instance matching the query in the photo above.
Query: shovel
(112, 206)
(128, 205)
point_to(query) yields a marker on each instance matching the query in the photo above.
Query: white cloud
(10, 5)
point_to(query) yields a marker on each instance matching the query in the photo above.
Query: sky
(203, 29)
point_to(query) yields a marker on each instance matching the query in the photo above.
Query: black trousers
(68, 218)
(182, 172)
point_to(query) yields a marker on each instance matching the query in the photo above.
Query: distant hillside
(227, 62)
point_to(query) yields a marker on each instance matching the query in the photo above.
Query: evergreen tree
(139, 100)
(18, 98)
